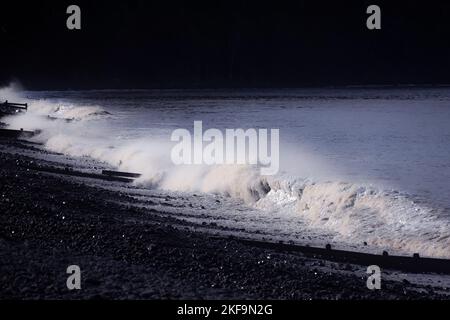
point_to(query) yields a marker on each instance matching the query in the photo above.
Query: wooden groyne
(15, 134)
(8, 108)
(12, 108)
(414, 264)
(111, 173)
(76, 173)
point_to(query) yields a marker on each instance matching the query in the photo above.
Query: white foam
(355, 212)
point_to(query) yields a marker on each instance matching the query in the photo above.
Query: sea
(362, 168)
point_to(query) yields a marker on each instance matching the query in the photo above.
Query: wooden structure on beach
(8, 108)
(12, 108)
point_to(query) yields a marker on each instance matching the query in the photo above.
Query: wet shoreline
(50, 221)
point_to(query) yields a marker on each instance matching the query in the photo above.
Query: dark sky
(174, 44)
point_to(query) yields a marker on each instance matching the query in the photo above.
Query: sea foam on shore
(354, 212)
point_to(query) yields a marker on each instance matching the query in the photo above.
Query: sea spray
(356, 213)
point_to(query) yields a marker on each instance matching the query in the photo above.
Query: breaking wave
(360, 214)
(53, 110)
(355, 213)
